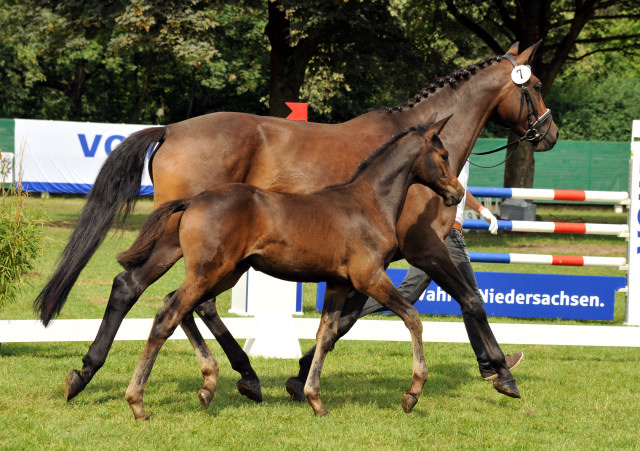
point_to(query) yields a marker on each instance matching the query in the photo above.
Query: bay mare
(278, 154)
(225, 231)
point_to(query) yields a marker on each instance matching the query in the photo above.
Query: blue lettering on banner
(90, 152)
(524, 295)
(108, 144)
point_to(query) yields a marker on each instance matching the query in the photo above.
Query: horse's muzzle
(454, 196)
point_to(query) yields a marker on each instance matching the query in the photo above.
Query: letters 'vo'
(109, 144)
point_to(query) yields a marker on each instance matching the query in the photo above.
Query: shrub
(19, 242)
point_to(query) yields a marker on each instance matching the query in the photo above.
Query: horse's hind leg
(325, 338)
(181, 303)
(127, 288)
(381, 288)
(208, 364)
(249, 384)
(164, 323)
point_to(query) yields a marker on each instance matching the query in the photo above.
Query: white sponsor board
(633, 280)
(65, 157)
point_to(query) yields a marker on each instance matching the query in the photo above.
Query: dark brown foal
(224, 232)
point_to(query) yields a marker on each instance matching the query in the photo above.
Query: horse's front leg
(439, 265)
(326, 336)
(208, 364)
(249, 384)
(380, 287)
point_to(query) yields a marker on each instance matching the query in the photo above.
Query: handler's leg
(458, 249)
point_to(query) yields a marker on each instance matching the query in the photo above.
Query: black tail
(114, 192)
(151, 230)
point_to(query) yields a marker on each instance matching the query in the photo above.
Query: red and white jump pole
(629, 231)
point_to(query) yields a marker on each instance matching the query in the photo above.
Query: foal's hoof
(250, 388)
(74, 384)
(295, 388)
(507, 387)
(205, 397)
(408, 402)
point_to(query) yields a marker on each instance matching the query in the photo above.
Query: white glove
(493, 222)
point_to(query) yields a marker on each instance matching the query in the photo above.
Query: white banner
(65, 157)
(6, 168)
(633, 281)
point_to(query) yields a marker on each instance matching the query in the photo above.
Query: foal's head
(432, 167)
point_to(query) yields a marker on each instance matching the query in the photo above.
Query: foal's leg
(325, 338)
(351, 311)
(208, 364)
(180, 304)
(249, 384)
(380, 287)
(164, 323)
(127, 288)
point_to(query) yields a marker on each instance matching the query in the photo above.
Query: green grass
(573, 397)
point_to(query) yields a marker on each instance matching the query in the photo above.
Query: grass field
(573, 397)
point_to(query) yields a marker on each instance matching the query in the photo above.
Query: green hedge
(20, 238)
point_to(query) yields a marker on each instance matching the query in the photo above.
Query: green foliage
(149, 61)
(19, 243)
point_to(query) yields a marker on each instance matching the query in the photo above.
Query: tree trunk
(520, 167)
(288, 64)
(142, 93)
(77, 88)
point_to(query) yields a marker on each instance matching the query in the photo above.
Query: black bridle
(533, 133)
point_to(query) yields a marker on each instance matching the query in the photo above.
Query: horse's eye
(538, 88)
(445, 156)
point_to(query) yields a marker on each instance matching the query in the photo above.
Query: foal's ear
(527, 55)
(438, 126)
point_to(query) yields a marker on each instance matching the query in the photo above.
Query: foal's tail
(151, 231)
(115, 191)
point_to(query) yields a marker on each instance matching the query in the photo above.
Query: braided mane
(451, 80)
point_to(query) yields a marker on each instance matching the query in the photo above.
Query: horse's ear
(432, 119)
(527, 55)
(438, 126)
(514, 48)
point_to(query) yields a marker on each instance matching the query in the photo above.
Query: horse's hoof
(74, 384)
(408, 402)
(205, 397)
(250, 388)
(295, 388)
(507, 387)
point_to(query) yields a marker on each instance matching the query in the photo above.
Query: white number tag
(521, 74)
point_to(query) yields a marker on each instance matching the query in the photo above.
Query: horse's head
(432, 166)
(520, 106)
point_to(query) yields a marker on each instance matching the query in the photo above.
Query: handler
(416, 281)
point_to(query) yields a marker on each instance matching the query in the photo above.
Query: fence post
(633, 281)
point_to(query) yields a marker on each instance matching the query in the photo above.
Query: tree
(570, 30)
(323, 34)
